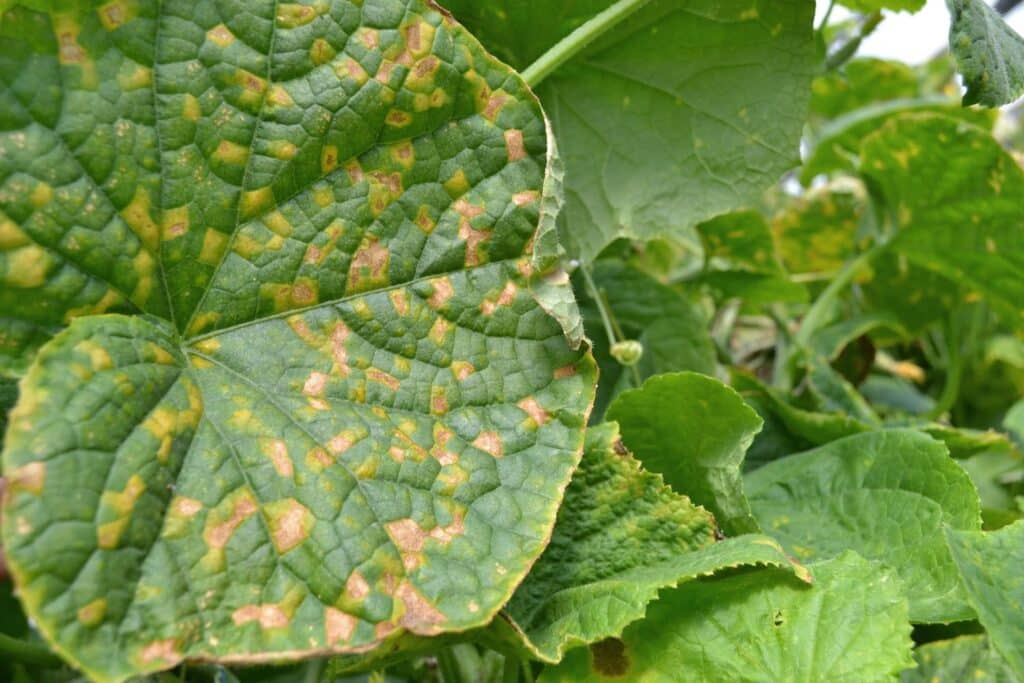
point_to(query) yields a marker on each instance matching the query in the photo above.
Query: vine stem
(572, 44)
(28, 653)
(954, 370)
(821, 310)
(611, 326)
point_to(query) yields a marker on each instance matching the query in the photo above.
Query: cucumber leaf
(722, 110)
(990, 564)
(695, 431)
(989, 53)
(886, 495)
(345, 413)
(967, 658)
(761, 625)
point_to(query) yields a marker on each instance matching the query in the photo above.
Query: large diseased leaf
(886, 495)
(721, 111)
(989, 53)
(621, 536)
(957, 199)
(990, 563)
(693, 430)
(760, 626)
(347, 415)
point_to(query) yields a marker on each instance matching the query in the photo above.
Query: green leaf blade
(989, 53)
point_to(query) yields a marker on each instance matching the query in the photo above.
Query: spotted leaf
(326, 405)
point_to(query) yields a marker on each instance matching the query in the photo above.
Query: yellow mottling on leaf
(439, 331)
(381, 377)
(317, 460)
(144, 266)
(290, 523)
(92, 614)
(321, 52)
(255, 201)
(279, 97)
(29, 478)
(438, 401)
(175, 222)
(369, 267)
(214, 244)
(190, 108)
(114, 15)
(514, 145)
(398, 119)
(350, 68)
(490, 442)
(323, 196)
(328, 159)
(344, 440)
(457, 185)
(42, 194)
(99, 358)
(293, 15)
(164, 651)
(419, 615)
(135, 78)
(267, 616)
(220, 35)
(228, 152)
(277, 451)
(27, 267)
(11, 235)
(424, 220)
(400, 301)
(121, 503)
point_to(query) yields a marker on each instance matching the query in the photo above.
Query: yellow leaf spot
(135, 77)
(220, 35)
(515, 146)
(443, 291)
(328, 159)
(255, 201)
(318, 460)
(339, 626)
(99, 358)
(122, 503)
(190, 108)
(277, 451)
(27, 267)
(267, 616)
(321, 52)
(381, 377)
(279, 97)
(290, 523)
(457, 185)
(293, 15)
(344, 440)
(29, 478)
(11, 235)
(42, 194)
(231, 153)
(369, 268)
(350, 68)
(490, 442)
(114, 15)
(398, 119)
(214, 244)
(92, 614)
(531, 407)
(439, 331)
(163, 651)
(224, 519)
(419, 615)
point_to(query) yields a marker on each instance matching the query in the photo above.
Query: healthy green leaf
(989, 53)
(990, 565)
(967, 658)
(722, 109)
(347, 414)
(672, 330)
(621, 536)
(851, 625)
(693, 430)
(886, 495)
(938, 175)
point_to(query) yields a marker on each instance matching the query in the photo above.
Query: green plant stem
(828, 15)
(527, 671)
(572, 44)
(510, 670)
(448, 666)
(314, 671)
(28, 653)
(846, 52)
(611, 326)
(954, 370)
(821, 310)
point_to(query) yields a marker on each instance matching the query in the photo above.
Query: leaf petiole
(28, 653)
(573, 44)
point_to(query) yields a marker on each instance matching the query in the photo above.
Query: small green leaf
(967, 658)
(937, 175)
(887, 495)
(989, 53)
(351, 408)
(693, 430)
(862, 82)
(760, 625)
(621, 536)
(722, 109)
(990, 565)
(875, 5)
(818, 233)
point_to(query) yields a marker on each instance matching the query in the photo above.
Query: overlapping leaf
(967, 658)
(347, 414)
(694, 431)
(851, 625)
(989, 53)
(886, 495)
(621, 536)
(990, 564)
(723, 108)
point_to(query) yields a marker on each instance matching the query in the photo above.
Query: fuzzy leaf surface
(347, 414)
(989, 53)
